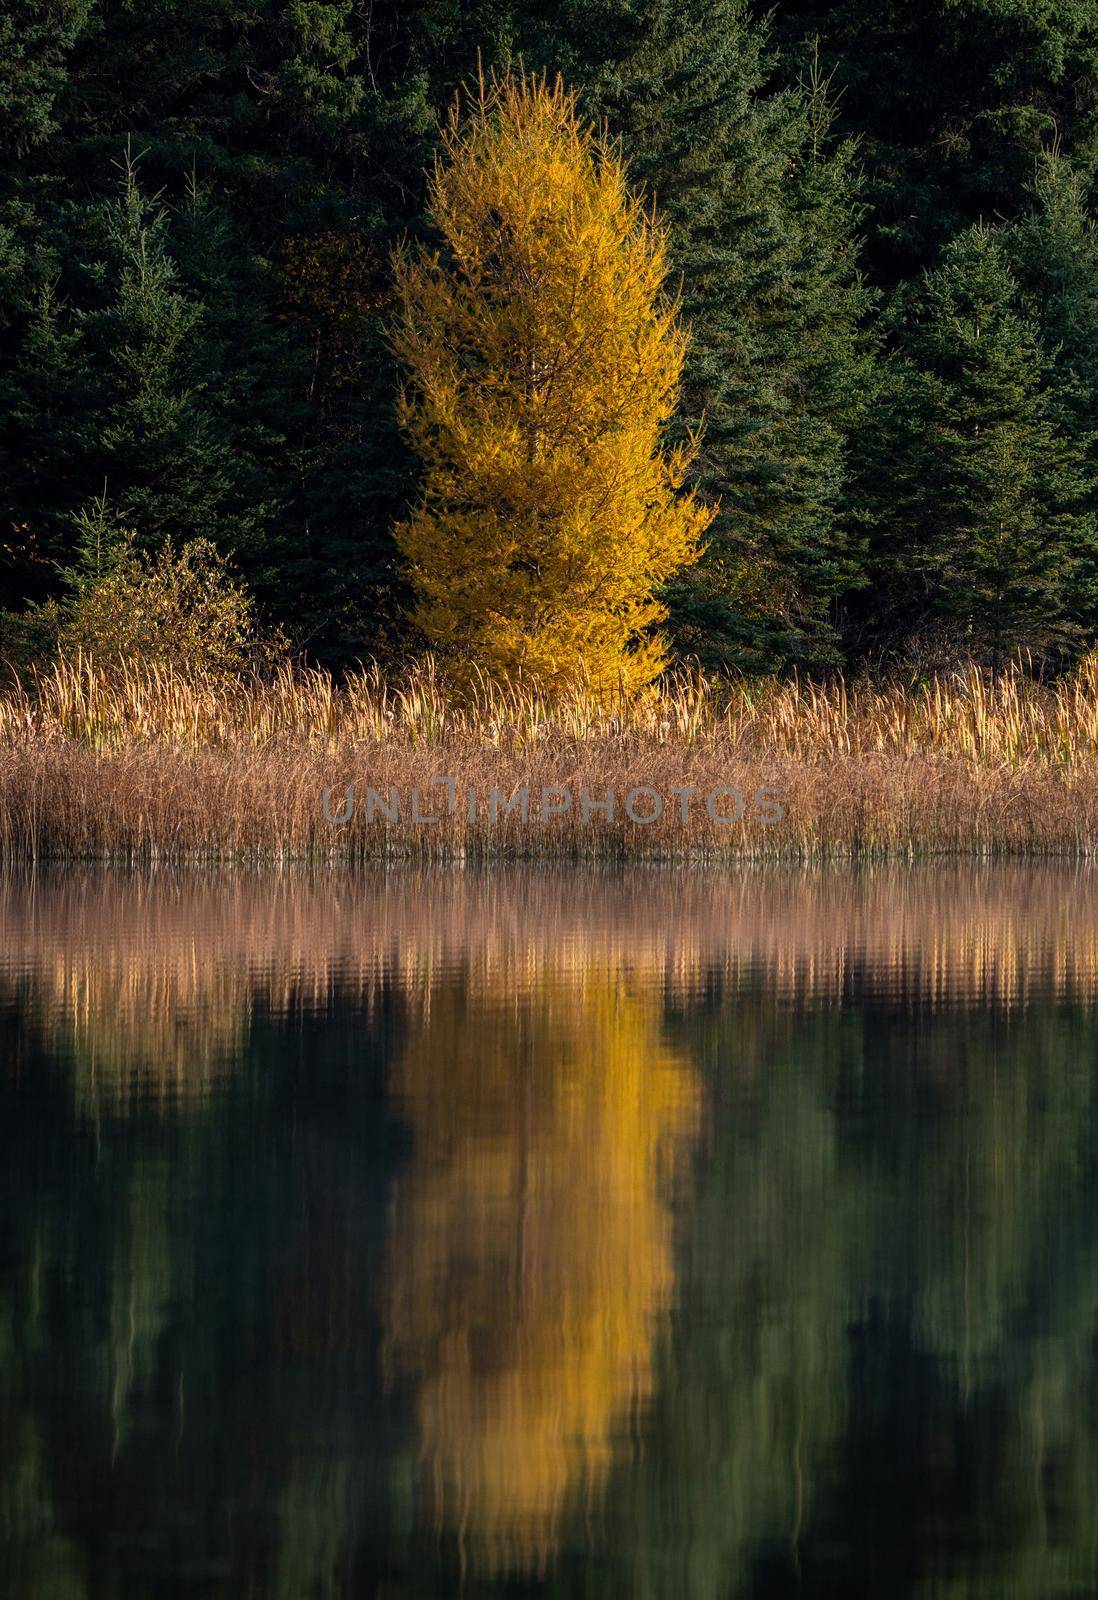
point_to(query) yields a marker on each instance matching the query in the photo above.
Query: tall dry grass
(146, 762)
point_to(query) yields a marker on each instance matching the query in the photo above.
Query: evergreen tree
(1054, 254)
(164, 459)
(286, 143)
(44, 407)
(113, 389)
(761, 206)
(36, 38)
(261, 128)
(980, 484)
(952, 104)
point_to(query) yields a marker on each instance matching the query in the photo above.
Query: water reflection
(676, 1234)
(531, 1261)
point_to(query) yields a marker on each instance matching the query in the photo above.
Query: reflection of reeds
(531, 1266)
(151, 981)
(146, 761)
(168, 1030)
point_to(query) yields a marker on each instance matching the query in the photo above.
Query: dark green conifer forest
(880, 222)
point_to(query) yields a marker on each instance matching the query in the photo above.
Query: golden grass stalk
(144, 761)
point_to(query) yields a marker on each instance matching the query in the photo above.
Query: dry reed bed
(147, 763)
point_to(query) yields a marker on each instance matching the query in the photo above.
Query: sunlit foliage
(543, 360)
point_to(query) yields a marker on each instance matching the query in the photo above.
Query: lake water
(656, 1234)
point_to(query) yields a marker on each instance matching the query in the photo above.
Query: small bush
(28, 639)
(182, 607)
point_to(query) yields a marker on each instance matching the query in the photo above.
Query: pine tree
(544, 364)
(980, 483)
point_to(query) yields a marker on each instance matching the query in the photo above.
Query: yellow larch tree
(543, 359)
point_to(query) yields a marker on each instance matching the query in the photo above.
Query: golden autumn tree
(543, 362)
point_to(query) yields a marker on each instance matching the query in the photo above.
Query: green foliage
(149, 341)
(1054, 255)
(185, 188)
(953, 102)
(36, 37)
(118, 386)
(760, 199)
(982, 480)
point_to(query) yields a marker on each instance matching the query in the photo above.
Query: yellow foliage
(544, 362)
(180, 606)
(532, 1258)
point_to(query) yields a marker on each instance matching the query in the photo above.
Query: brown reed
(144, 762)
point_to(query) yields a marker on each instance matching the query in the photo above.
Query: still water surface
(656, 1234)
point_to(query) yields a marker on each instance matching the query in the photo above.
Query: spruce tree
(952, 104)
(121, 389)
(36, 38)
(980, 484)
(761, 204)
(1054, 254)
(262, 128)
(44, 408)
(165, 461)
(1053, 251)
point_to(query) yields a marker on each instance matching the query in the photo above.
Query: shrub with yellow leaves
(180, 607)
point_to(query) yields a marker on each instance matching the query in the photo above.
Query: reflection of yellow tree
(532, 1241)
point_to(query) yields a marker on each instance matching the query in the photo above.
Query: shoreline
(69, 802)
(148, 764)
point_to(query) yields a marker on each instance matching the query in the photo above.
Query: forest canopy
(878, 227)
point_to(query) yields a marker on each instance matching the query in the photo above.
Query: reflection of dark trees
(878, 1370)
(882, 1377)
(973, 1369)
(187, 1323)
